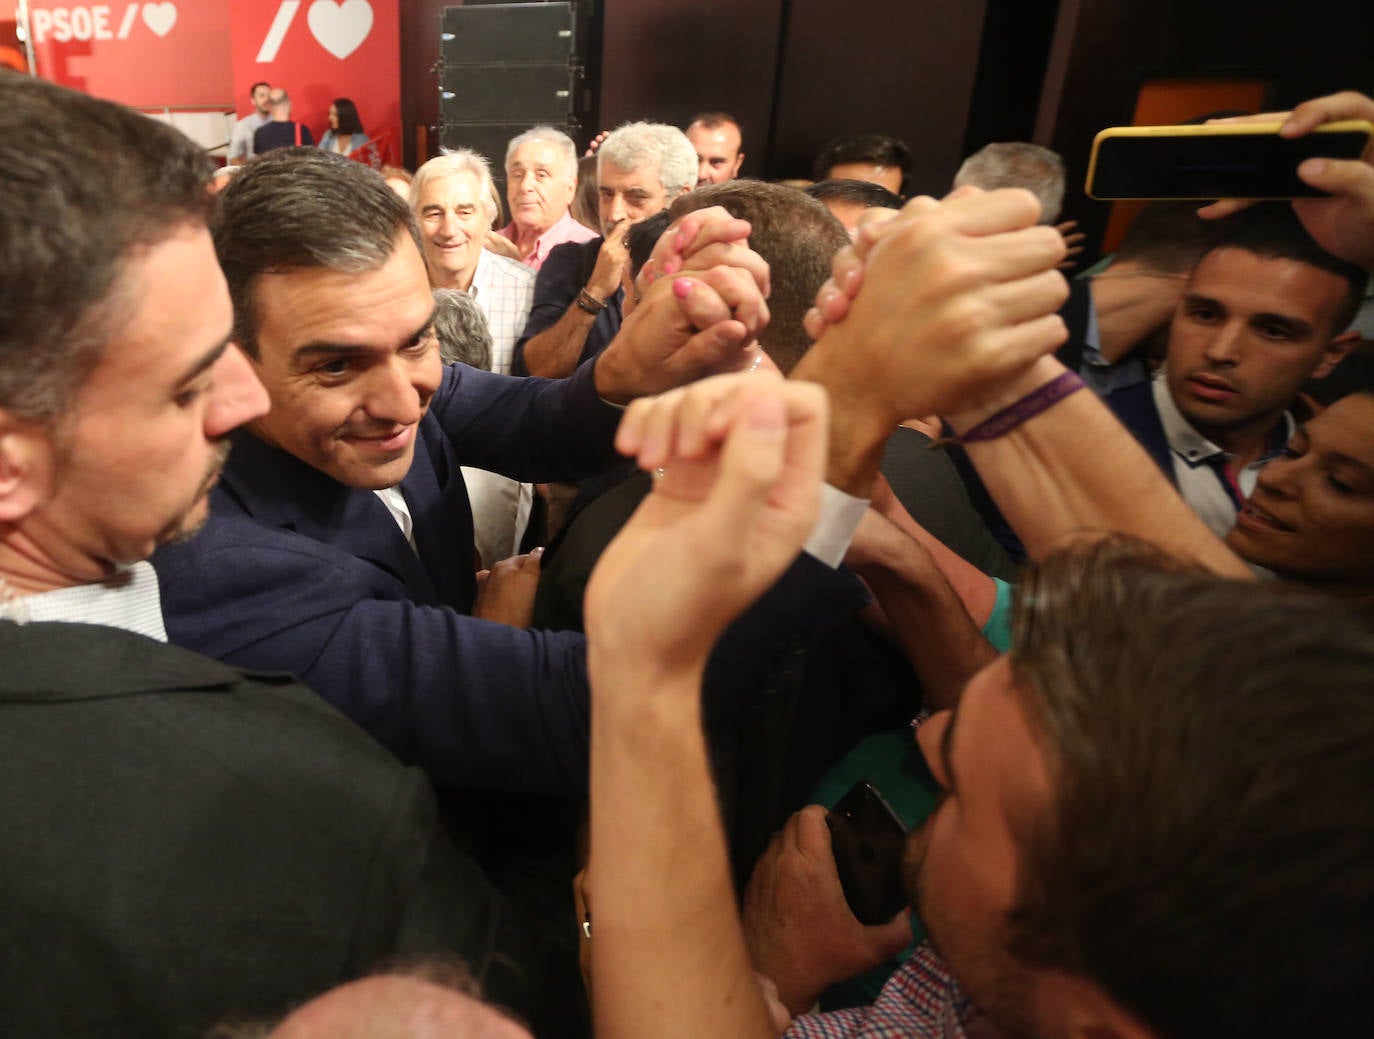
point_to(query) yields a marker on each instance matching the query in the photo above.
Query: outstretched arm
(737, 500)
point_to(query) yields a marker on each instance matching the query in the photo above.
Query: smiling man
(340, 546)
(541, 180)
(1264, 311)
(641, 168)
(454, 200)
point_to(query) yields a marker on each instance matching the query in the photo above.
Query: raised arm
(1058, 466)
(555, 351)
(738, 499)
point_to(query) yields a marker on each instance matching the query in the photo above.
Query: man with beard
(184, 839)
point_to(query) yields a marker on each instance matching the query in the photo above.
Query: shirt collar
(130, 600)
(481, 273)
(1184, 440)
(1192, 446)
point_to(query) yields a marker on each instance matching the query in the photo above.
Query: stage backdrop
(208, 53)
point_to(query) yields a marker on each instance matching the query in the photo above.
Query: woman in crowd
(345, 134)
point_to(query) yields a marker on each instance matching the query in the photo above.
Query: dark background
(947, 76)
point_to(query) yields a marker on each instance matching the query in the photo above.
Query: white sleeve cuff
(834, 530)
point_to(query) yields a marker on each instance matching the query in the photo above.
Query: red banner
(319, 50)
(210, 52)
(142, 54)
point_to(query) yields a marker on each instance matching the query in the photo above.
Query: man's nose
(236, 396)
(1226, 346)
(394, 395)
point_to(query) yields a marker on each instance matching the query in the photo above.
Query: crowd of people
(269, 125)
(428, 613)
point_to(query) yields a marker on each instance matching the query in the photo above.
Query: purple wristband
(1023, 410)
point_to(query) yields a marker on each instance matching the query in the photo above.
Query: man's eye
(1201, 313)
(187, 397)
(338, 366)
(1275, 332)
(1340, 486)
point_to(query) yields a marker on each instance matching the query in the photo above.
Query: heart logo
(160, 17)
(340, 28)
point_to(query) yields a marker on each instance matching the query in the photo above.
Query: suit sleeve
(472, 702)
(532, 430)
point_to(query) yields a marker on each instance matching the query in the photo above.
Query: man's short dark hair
(876, 149)
(856, 192)
(1272, 230)
(642, 237)
(711, 120)
(302, 208)
(260, 83)
(796, 235)
(1210, 743)
(85, 183)
(1166, 237)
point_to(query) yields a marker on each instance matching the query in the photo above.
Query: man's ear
(1335, 352)
(27, 470)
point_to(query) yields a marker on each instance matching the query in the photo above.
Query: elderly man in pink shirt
(541, 179)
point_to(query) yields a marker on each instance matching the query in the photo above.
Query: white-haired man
(541, 180)
(641, 168)
(454, 201)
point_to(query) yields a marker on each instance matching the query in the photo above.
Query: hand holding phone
(1343, 222)
(1216, 160)
(868, 840)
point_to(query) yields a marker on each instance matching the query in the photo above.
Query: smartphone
(868, 839)
(1225, 160)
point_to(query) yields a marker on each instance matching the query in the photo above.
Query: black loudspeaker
(505, 68)
(527, 94)
(488, 139)
(513, 33)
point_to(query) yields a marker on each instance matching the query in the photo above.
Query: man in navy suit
(184, 840)
(340, 542)
(1264, 310)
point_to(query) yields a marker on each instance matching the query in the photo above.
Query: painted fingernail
(670, 267)
(682, 288)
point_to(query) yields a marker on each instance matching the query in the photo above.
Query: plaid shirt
(504, 289)
(921, 1001)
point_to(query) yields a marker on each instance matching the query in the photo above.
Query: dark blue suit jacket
(296, 572)
(1135, 407)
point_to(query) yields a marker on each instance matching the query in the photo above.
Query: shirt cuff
(834, 530)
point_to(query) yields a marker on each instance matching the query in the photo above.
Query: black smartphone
(867, 839)
(1224, 160)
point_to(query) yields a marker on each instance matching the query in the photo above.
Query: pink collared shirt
(566, 230)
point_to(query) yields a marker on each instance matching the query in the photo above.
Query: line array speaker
(505, 68)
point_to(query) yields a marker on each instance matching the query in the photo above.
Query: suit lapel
(279, 490)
